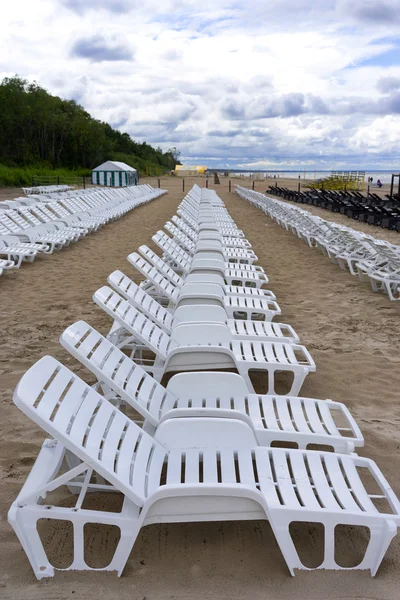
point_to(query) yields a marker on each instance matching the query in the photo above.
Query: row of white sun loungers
(362, 255)
(181, 350)
(45, 189)
(44, 224)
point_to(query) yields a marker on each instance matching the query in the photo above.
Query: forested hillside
(38, 129)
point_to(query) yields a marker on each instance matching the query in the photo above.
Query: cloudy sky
(247, 83)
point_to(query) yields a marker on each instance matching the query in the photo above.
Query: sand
(353, 336)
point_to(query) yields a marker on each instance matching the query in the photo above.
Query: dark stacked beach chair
(367, 208)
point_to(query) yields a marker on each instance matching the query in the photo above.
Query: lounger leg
(18, 260)
(24, 522)
(280, 528)
(381, 537)
(391, 289)
(128, 537)
(374, 285)
(298, 380)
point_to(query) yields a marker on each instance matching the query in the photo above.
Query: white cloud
(279, 81)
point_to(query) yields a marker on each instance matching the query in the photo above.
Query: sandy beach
(353, 336)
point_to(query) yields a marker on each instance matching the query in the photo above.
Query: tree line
(37, 128)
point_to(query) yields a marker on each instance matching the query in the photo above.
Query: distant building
(185, 171)
(115, 174)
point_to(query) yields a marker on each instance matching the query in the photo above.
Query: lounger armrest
(358, 436)
(309, 358)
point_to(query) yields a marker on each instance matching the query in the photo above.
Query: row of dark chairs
(372, 209)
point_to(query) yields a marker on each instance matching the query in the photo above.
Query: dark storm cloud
(375, 11)
(233, 109)
(114, 6)
(97, 49)
(388, 84)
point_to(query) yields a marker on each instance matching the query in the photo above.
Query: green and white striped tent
(114, 174)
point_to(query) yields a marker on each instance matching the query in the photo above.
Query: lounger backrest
(27, 214)
(117, 371)
(179, 235)
(44, 212)
(180, 223)
(168, 245)
(191, 222)
(162, 284)
(141, 299)
(40, 215)
(78, 207)
(7, 230)
(59, 210)
(14, 221)
(133, 321)
(177, 257)
(161, 265)
(189, 210)
(89, 426)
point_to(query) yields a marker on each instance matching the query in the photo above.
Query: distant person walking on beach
(379, 183)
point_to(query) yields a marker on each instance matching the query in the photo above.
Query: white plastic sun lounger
(44, 216)
(386, 279)
(31, 234)
(14, 241)
(240, 329)
(182, 259)
(228, 242)
(181, 475)
(16, 254)
(6, 265)
(224, 230)
(29, 217)
(302, 421)
(236, 277)
(231, 275)
(183, 262)
(195, 347)
(183, 219)
(242, 255)
(237, 305)
(207, 218)
(75, 219)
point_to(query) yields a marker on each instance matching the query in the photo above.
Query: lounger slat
(110, 448)
(313, 417)
(85, 413)
(154, 473)
(127, 450)
(210, 473)
(357, 486)
(339, 483)
(322, 487)
(70, 402)
(265, 477)
(53, 393)
(227, 466)
(142, 463)
(298, 415)
(284, 414)
(174, 467)
(246, 468)
(267, 404)
(283, 478)
(302, 480)
(98, 429)
(327, 418)
(192, 466)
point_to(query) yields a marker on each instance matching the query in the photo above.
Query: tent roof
(114, 165)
